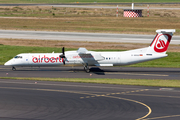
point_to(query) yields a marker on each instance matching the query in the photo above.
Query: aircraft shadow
(102, 70)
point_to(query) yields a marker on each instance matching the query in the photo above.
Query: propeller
(63, 56)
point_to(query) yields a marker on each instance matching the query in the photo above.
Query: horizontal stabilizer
(166, 31)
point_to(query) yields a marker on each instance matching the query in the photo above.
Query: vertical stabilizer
(161, 41)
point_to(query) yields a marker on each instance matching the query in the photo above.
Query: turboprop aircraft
(82, 56)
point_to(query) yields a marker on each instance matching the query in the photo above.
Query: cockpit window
(18, 57)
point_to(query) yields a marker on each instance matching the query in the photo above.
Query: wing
(82, 51)
(85, 54)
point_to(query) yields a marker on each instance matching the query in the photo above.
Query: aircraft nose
(8, 63)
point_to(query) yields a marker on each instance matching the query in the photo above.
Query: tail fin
(161, 41)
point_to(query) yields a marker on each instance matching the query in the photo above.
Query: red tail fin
(161, 41)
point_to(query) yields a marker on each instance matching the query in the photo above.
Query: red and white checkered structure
(132, 13)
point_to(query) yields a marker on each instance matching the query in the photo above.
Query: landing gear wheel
(13, 68)
(86, 68)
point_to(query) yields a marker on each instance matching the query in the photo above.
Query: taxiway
(96, 72)
(41, 100)
(77, 36)
(100, 5)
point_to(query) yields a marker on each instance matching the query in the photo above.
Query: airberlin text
(46, 59)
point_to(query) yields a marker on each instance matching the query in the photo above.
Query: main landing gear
(86, 68)
(13, 68)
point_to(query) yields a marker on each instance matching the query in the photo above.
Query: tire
(87, 70)
(13, 68)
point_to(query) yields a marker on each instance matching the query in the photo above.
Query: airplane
(82, 56)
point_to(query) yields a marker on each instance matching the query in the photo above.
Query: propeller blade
(63, 51)
(64, 59)
(63, 56)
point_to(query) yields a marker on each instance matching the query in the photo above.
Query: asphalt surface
(40, 100)
(96, 72)
(99, 5)
(77, 36)
(114, 7)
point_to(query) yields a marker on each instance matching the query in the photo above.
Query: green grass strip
(139, 82)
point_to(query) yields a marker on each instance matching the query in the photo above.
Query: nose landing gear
(13, 68)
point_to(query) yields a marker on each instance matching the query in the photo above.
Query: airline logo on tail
(162, 42)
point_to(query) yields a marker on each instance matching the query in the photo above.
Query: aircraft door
(118, 59)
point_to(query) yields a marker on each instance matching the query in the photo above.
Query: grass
(8, 52)
(171, 61)
(86, 20)
(140, 82)
(85, 1)
(93, 24)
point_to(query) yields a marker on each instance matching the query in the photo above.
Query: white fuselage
(91, 59)
(82, 56)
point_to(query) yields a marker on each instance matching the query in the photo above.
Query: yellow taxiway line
(90, 96)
